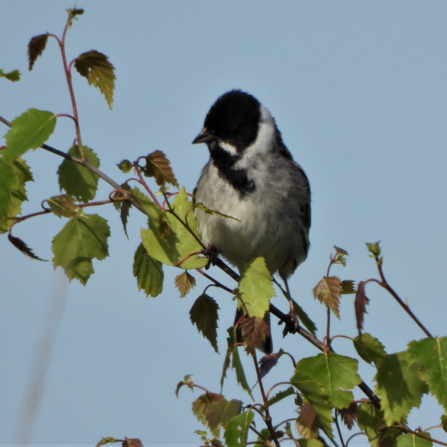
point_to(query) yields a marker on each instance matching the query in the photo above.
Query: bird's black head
(234, 119)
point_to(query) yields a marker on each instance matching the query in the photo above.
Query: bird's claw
(211, 253)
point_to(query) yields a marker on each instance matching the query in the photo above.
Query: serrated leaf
(444, 422)
(335, 372)
(8, 183)
(307, 423)
(76, 180)
(410, 440)
(35, 48)
(11, 76)
(79, 242)
(347, 287)
(179, 243)
(267, 362)
(281, 395)
(304, 318)
(430, 355)
(328, 291)
(184, 283)
(236, 364)
(230, 348)
(202, 207)
(159, 167)
(64, 206)
(369, 348)
(370, 421)
(237, 429)
(20, 245)
(399, 387)
(204, 314)
(255, 287)
(255, 331)
(200, 405)
(148, 271)
(99, 72)
(349, 415)
(30, 130)
(360, 303)
(217, 414)
(316, 395)
(12, 193)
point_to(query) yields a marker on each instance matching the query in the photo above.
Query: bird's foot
(211, 253)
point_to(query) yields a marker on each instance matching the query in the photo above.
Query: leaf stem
(145, 185)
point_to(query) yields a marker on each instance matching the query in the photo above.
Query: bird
(252, 177)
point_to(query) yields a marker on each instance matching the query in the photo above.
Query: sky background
(359, 92)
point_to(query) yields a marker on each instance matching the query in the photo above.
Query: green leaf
(369, 348)
(11, 76)
(304, 318)
(335, 372)
(230, 348)
(236, 432)
(11, 197)
(8, 183)
(35, 48)
(398, 386)
(410, 440)
(255, 287)
(328, 291)
(184, 283)
(204, 315)
(99, 72)
(76, 180)
(430, 356)
(217, 414)
(347, 287)
(281, 395)
(148, 271)
(316, 395)
(30, 130)
(370, 421)
(64, 206)
(73, 12)
(200, 407)
(186, 381)
(236, 364)
(374, 249)
(78, 243)
(174, 247)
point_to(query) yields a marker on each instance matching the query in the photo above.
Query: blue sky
(359, 92)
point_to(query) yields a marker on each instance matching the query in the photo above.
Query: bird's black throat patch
(224, 162)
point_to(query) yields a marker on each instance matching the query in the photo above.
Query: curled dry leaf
(361, 300)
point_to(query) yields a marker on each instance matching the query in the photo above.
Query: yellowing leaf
(184, 283)
(174, 247)
(64, 206)
(255, 287)
(328, 292)
(99, 72)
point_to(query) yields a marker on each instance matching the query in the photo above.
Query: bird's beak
(203, 137)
